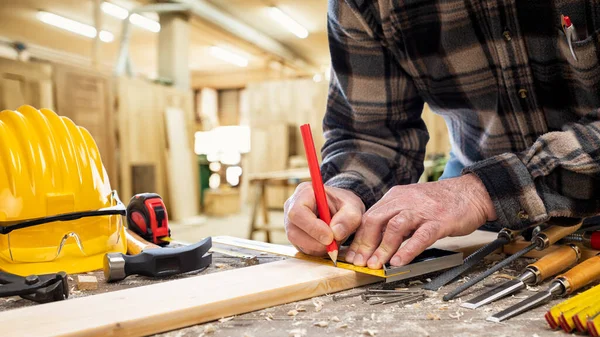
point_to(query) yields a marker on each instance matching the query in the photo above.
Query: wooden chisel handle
(551, 235)
(555, 262)
(136, 244)
(580, 275)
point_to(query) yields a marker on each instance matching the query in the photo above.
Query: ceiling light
(228, 56)
(144, 22)
(114, 10)
(106, 36)
(289, 23)
(73, 26)
(136, 19)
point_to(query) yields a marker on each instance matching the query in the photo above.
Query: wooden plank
(183, 191)
(86, 97)
(139, 312)
(25, 83)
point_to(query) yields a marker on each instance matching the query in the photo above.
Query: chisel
(564, 284)
(504, 236)
(540, 241)
(549, 265)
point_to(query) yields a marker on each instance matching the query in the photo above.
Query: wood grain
(556, 261)
(170, 305)
(583, 274)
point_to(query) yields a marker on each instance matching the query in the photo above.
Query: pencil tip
(333, 255)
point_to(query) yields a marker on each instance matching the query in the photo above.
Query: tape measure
(147, 216)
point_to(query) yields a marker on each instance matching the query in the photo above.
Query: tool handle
(552, 234)
(169, 261)
(555, 262)
(136, 244)
(581, 275)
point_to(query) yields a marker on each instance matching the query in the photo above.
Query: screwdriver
(540, 241)
(504, 236)
(535, 273)
(564, 284)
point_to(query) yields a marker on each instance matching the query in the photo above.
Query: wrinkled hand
(310, 234)
(423, 214)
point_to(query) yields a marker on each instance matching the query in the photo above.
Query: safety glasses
(66, 236)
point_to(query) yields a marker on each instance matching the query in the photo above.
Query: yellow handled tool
(564, 284)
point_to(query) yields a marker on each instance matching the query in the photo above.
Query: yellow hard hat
(57, 209)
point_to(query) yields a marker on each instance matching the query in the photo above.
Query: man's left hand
(422, 213)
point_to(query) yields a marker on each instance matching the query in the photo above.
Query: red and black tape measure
(147, 216)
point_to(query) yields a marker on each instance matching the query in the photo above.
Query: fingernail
(338, 231)
(350, 257)
(359, 260)
(396, 261)
(372, 263)
(325, 239)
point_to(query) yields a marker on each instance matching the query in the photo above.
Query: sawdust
(369, 332)
(342, 326)
(269, 317)
(503, 276)
(292, 313)
(221, 265)
(534, 289)
(226, 319)
(373, 316)
(318, 304)
(494, 258)
(301, 309)
(297, 333)
(433, 317)
(457, 315)
(334, 319)
(415, 283)
(209, 328)
(322, 324)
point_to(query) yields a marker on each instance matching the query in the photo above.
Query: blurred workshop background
(199, 101)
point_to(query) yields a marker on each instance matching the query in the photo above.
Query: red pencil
(317, 182)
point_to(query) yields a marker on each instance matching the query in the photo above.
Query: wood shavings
(503, 276)
(400, 289)
(322, 324)
(297, 333)
(535, 335)
(456, 315)
(415, 283)
(297, 323)
(494, 258)
(221, 265)
(292, 313)
(262, 314)
(352, 305)
(342, 326)
(443, 307)
(300, 309)
(209, 328)
(334, 319)
(534, 289)
(433, 317)
(226, 319)
(373, 316)
(488, 309)
(318, 304)
(247, 335)
(369, 332)
(269, 317)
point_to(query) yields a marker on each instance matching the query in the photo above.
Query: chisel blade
(468, 263)
(496, 293)
(521, 307)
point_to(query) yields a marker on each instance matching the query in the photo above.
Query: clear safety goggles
(85, 233)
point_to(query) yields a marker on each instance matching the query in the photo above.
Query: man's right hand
(310, 234)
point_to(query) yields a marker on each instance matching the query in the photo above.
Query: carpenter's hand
(312, 235)
(425, 213)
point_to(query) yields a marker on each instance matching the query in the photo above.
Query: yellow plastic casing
(50, 166)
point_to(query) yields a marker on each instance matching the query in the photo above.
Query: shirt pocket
(582, 73)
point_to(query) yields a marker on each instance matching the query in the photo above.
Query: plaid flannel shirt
(522, 112)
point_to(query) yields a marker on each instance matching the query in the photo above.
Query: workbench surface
(351, 316)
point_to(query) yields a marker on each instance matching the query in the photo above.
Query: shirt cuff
(351, 181)
(513, 192)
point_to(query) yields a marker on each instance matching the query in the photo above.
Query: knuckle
(396, 225)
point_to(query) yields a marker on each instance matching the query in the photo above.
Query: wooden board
(25, 83)
(86, 97)
(142, 136)
(170, 305)
(183, 189)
